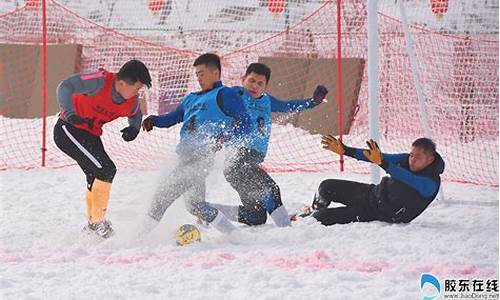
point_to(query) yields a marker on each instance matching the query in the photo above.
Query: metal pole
(373, 80)
(410, 48)
(412, 55)
(339, 75)
(44, 81)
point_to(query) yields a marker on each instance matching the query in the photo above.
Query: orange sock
(89, 204)
(100, 198)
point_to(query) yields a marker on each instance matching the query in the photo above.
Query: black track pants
(258, 192)
(87, 150)
(355, 197)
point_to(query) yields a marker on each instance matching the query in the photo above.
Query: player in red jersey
(87, 102)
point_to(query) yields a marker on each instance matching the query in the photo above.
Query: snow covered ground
(43, 254)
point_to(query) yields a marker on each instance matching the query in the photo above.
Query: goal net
(456, 47)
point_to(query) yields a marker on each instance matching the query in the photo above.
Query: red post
(339, 76)
(44, 81)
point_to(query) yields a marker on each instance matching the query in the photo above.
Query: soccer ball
(186, 234)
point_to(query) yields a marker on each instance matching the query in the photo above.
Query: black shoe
(102, 229)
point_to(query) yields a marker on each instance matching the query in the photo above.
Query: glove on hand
(129, 133)
(374, 154)
(319, 93)
(329, 142)
(148, 123)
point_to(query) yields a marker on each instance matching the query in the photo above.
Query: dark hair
(260, 69)
(209, 60)
(133, 71)
(427, 144)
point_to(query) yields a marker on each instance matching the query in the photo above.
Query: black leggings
(355, 197)
(87, 150)
(258, 192)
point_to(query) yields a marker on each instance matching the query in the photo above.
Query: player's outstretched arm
(293, 106)
(164, 121)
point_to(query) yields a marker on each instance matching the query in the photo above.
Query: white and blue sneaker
(103, 229)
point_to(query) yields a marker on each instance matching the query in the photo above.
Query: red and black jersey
(100, 108)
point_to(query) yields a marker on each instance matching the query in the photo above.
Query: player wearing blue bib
(211, 116)
(258, 192)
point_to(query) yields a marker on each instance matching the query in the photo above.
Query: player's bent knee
(106, 173)
(325, 185)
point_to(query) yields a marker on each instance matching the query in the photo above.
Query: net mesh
(457, 65)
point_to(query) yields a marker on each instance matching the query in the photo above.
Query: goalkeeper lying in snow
(399, 198)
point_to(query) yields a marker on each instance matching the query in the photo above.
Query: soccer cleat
(102, 229)
(305, 211)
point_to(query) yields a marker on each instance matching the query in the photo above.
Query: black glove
(148, 123)
(320, 93)
(77, 120)
(129, 133)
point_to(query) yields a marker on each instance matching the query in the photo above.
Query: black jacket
(396, 202)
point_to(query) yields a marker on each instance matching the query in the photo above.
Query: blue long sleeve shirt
(216, 112)
(233, 106)
(260, 115)
(291, 106)
(424, 185)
